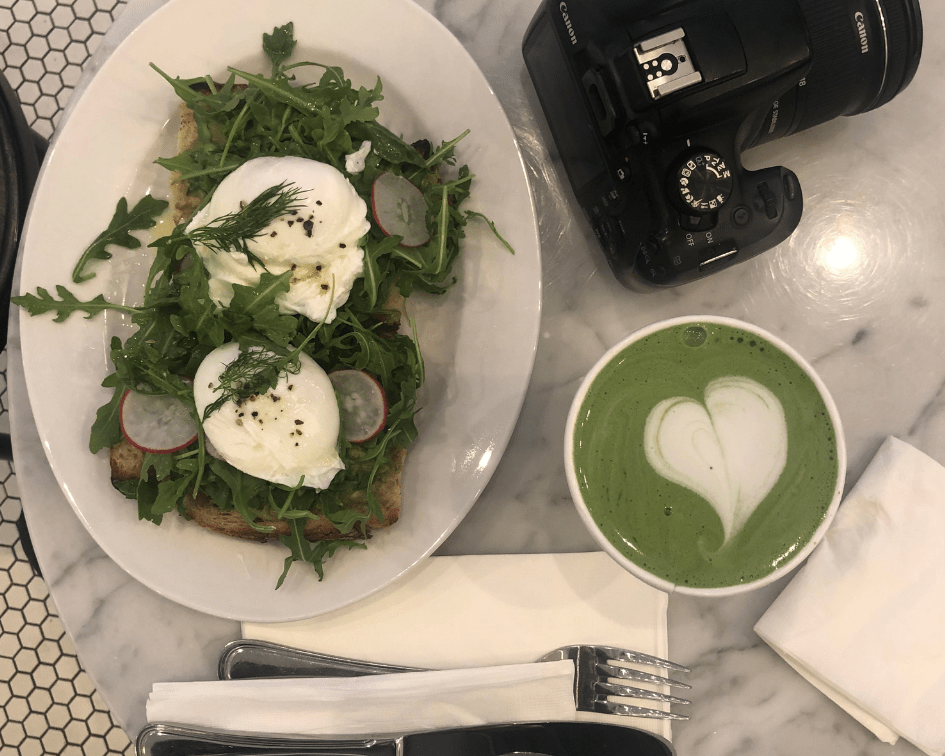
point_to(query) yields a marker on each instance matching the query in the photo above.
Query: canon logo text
(563, 7)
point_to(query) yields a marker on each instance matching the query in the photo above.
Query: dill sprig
(231, 232)
(255, 371)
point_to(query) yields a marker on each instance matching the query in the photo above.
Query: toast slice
(126, 460)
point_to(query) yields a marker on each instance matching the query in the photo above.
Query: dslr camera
(651, 104)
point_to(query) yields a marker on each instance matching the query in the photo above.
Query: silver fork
(597, 673)
(596, 666)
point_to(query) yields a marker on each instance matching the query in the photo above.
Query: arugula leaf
(193, 165)
(106, 430)
(159, 465)
(170, 492)
(242, 487)
(279, 45)
(492, 227)
(312, 100)
(43, 302)
(146, 492)
(198, 316)
(303, 550)
(141, 217)
(254, 308)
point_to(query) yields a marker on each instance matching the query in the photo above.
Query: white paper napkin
(381, 704)
(470, 611)
(864, 619)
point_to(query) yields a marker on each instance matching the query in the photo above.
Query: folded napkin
(376, 705)
(497, 610)
(864, 619)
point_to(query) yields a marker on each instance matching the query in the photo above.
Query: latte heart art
(705, 455)
(730, 451)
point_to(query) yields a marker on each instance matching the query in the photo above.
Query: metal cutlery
(598, 675)
(543, 739)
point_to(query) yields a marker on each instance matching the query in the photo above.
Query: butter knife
(251, 659)
(545, 739)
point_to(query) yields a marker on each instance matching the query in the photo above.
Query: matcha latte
(704, 454)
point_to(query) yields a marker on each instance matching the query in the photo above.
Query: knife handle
(163, 739)
(250, 659)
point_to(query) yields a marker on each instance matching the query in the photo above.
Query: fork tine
(613, 689)
(604, 706)
(626, 673)
(622, 654)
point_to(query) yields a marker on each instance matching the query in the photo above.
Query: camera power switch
(698, 222)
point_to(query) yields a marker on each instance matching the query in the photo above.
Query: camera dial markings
(703, 182)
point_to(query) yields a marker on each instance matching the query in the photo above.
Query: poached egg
(290, 431)
(318, 242)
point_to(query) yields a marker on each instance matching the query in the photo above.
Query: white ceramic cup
(602, 538)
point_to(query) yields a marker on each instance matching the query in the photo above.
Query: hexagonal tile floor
(44, 44)
(48, 705)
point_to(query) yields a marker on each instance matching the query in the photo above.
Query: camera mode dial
(703, 182)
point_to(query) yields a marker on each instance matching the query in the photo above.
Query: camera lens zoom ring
(843, 78)
(904, 44)
(835, 65)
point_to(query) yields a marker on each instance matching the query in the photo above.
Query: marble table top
(857, 290)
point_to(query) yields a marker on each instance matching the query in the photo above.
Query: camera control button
(648, 261)
(704, 182)
(656, 273)
(611, 201)
(769, 200)
(607, 233)
(741, 216)
(790, 186)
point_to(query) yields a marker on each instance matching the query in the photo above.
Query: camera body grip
(651, 238)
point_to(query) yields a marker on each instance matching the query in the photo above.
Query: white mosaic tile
(48, 705)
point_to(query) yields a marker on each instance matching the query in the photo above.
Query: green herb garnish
(252, 373)
(232, 232)
(42, 302)
(141, 217)
(279, 45)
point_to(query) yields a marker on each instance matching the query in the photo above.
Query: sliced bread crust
(126, 462)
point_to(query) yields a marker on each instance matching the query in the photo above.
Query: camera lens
(863, 53)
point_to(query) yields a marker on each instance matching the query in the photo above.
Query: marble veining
(857, 290)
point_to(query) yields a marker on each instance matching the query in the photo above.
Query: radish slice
(363, 404)
(158, 424)
(400, 209)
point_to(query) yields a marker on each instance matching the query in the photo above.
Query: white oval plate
(478, 342)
